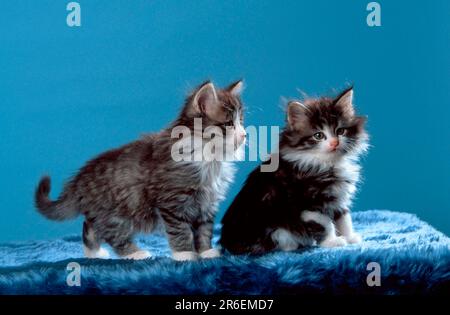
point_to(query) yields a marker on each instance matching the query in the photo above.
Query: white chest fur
(215, 178)
(348, 174)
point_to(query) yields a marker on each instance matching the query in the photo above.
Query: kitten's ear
(236, 88)
(205, 99)
(345, 102)
(297, 115)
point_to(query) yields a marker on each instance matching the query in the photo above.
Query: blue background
(67, 94)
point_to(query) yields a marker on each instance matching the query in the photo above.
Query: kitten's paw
(336, 241)
(100, 253)
(103, 253)
(210, 253)
(184, 256)
(354, 238)
(140, 254)
(285, 240)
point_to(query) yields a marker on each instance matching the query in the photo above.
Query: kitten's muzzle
(241, 136)
(333, 144)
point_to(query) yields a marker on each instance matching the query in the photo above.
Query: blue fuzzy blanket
(414, 258)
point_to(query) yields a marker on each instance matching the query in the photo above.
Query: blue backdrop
(67, 94)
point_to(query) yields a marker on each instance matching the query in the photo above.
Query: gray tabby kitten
(138, 186)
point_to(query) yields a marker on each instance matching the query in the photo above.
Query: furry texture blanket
(414, 258)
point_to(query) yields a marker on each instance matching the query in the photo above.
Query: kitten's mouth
(335, 152)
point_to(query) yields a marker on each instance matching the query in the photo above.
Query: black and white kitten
(140, 185)
(306, 201)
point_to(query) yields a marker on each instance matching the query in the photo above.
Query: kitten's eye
(319, 136)
(341, 131)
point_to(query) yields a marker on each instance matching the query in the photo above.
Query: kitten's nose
(242, 134)
(334, 143)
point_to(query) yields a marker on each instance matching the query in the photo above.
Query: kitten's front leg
(180, 235)
(330, 239)
(344, 227)
(203, 236)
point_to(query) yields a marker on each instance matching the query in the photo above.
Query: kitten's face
(221, 114)
(323, 130)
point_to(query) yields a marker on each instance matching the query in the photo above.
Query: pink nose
(242, 135)
(334, 143)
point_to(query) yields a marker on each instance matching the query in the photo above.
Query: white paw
(336, 241)
(285, 240)
(210, 253)
(354, 238)
(100, 253)
(183, 256)
(140, 254)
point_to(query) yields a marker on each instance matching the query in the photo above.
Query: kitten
(138, 186)
(306, 201)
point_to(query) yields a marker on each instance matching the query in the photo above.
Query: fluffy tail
(58, 210)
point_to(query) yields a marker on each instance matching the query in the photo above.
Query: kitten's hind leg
(91, 244)
(285, 240)
(125, 248)
(118, 233)
(330, 238)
